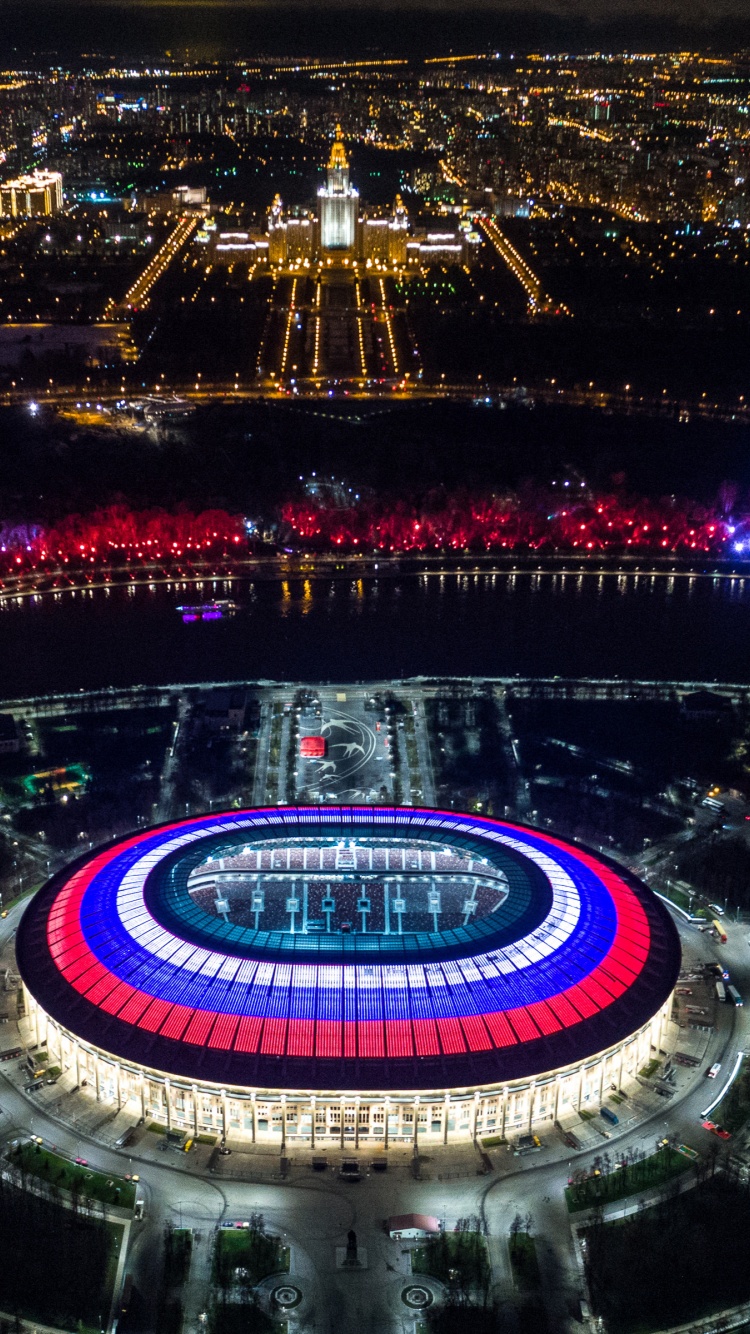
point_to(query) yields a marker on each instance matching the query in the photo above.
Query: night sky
(411, 27)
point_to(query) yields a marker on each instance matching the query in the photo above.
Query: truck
(609, 1116)
(527, 1144)
(37, 1064)
(721, 934)
(721, 991)
(734, 995)
(570, 1140)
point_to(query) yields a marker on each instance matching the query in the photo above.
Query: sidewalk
(196, 1291)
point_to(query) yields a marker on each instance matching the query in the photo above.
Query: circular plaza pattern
(417, 1297)
(348, 973)
(287, 1296)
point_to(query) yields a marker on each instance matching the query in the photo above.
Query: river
(320, 628)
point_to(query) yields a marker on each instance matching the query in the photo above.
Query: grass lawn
(649, 1069)
(256, 1252)
(653, 1171)
(734, 1109)
(178, 1247)
(7, 904)
(61, 1172)
(523, 1262)
(677, 896)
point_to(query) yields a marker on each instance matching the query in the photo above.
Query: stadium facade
(348, 974)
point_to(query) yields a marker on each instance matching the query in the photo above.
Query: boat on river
(208, 611)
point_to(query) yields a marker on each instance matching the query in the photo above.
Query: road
(521, 797)
(170, 769)
(137, 295)
(548, 392)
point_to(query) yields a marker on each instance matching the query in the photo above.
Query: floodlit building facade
(343, 232)
(348, 975)
(38, 195)
(338, 202)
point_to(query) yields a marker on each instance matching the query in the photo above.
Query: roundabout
(347, 973)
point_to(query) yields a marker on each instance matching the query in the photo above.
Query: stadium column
(386, 1114)
(118, 1085)
(312, 1121)
(253, 1113)
(416, 1124)
(505, 1111)
(446, 1109)
(356, 1122)
(97, 1078)
(342, 1123)
(663, 1020)
(77, 1059)
(195, 1109)
(223, 1096)
(32, 1009)
(619, 1073)
(475, 1118)
(168, 1100)
(532, 1095)
(143, 1095)
(601, 1080)
(283, 1123)
(558, 1084)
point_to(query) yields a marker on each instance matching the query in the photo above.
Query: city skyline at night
(374, 641)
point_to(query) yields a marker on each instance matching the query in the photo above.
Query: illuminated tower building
(399, 231)
(383, 238)
(276, 232)
(338, 203)
(290, 239)
(39, 195)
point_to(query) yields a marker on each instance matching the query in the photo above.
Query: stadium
(347, 974)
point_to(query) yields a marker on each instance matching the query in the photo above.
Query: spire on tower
(338, 159)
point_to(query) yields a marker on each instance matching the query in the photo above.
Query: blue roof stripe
(448, 992)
